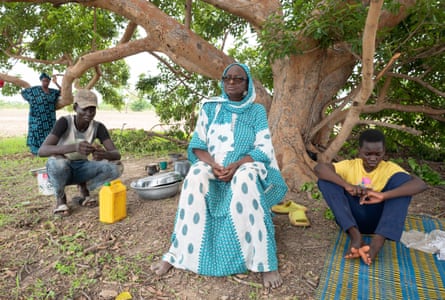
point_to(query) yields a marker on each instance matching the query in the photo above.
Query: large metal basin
(157, 192)
(157, 179)
(160, 186)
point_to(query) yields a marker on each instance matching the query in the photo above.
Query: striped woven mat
(397, 273)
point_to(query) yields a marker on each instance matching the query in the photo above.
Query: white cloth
(432, 242)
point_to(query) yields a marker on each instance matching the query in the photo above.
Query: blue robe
(42, 115)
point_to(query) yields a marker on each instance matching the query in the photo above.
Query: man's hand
(99, 152)
(85, 148)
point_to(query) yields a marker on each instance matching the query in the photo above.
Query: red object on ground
(2, 83)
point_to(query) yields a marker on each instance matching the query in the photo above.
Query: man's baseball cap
(85, 98)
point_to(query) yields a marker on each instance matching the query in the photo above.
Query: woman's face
(235, 83)
(45, 82)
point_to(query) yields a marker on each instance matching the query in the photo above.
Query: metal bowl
(157, 180)
(156, 192)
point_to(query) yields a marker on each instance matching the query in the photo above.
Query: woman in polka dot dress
(223, 225)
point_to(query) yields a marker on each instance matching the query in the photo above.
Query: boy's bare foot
(364, 254)
(353, 252)
(356, 243)
(369, 253)
(161, 267)
(272, 279)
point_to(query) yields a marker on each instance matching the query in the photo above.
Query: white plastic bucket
(45, 187)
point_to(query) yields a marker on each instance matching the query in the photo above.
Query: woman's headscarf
(236, 106)
(44, 75)
(249, 98)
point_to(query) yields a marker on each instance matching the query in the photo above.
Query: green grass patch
(5, 219)
(139, 142)
(14, 104)
(13, 145)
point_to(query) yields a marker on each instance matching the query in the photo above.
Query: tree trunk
(303, 85)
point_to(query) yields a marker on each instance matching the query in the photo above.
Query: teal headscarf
(249, 98)
(44, 75)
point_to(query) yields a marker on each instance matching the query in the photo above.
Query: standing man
(42, 111)
(368, 195)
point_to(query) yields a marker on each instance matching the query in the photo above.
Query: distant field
(14, 121)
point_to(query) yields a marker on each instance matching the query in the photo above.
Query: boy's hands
(371, 197)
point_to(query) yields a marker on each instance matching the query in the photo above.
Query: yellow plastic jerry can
(112, 202)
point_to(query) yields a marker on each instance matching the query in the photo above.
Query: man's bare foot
(61, 209)
(161, 267)
(356, 242)
(272, 279)
(369, 253)
(83, 190)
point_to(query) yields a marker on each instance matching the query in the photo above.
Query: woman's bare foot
(272, 279)
(356, 243)
(369, 253)
(161, 267)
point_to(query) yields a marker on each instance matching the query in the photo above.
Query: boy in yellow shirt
(368, 195)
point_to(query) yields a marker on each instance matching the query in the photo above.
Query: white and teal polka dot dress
(224, 228)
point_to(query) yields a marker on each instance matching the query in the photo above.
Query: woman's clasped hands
(225, 173)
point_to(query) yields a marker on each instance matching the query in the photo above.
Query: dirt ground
(78, 257)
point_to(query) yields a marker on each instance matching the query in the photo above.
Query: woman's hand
(218, 170)
(229, 171)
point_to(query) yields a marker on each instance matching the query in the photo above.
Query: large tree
(322, 67)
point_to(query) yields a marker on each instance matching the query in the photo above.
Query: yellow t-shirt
(352, 171)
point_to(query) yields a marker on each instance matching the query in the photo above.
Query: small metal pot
(182, 167)
(152, 169)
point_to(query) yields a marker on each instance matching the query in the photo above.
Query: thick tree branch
(255, 12)
(14, 80)
(94, 59)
